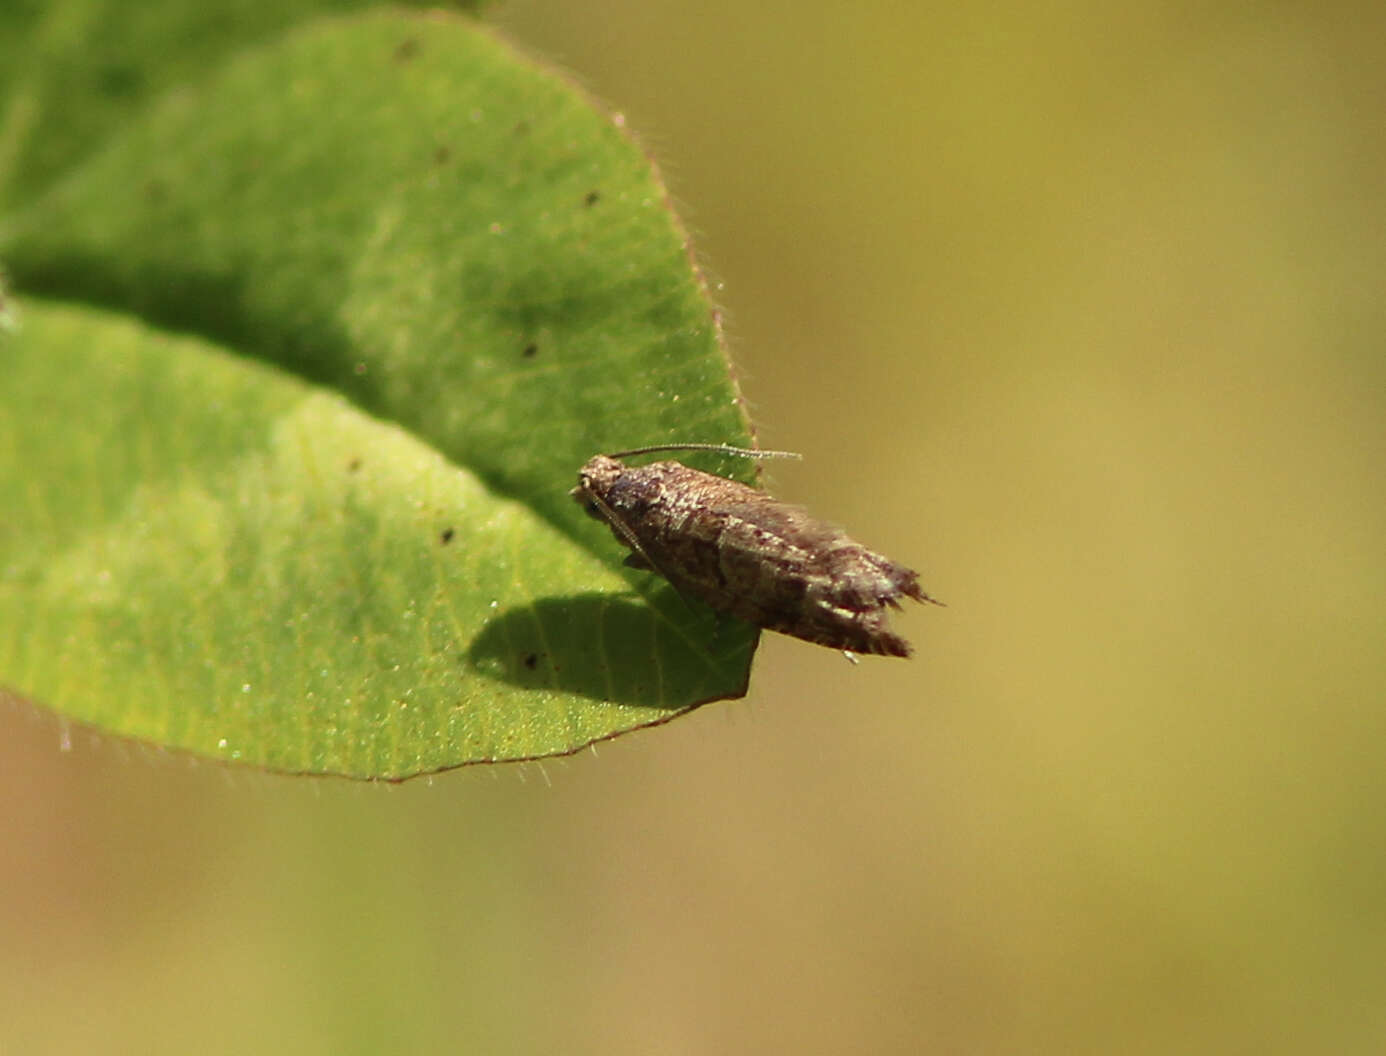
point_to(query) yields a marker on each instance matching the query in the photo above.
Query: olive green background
(1079, 310)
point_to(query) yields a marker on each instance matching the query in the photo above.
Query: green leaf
(331, 532)
(72, 72)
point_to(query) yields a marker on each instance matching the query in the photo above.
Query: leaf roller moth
(745, 553)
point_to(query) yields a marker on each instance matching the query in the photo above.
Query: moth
(745, 553)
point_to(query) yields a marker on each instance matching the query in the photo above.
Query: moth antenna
(725, 449)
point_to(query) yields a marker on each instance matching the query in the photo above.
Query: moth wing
(790, 525)
(857, 578)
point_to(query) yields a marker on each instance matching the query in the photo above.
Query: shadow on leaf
(611, 649)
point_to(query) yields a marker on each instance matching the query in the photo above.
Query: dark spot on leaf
(441, 156)
(592, 199)
(407, 49)
(521, 128)
(122, 81)
(446, 536)
(531, 660)
(155, 190)
(530, 351)
(353, 465)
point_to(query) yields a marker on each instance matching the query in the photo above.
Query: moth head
(594, 482)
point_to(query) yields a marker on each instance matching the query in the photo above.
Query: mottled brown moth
(747, 554)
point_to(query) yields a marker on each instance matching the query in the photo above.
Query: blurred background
(1078, 309)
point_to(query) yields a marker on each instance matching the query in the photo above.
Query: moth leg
(850, 657)
(637, 561)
